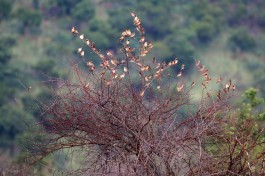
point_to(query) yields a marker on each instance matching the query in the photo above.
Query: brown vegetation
(130, 120)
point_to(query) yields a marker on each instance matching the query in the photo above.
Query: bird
(29, 88)
(180, 88)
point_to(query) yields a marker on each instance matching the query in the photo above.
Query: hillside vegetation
(36, 45)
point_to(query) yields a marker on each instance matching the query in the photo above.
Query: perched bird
(29, 88)
(218, 80)
(180, 74)
(180, 88)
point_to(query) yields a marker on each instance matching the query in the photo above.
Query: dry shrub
(129, 116)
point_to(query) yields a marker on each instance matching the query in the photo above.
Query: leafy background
(35, 45)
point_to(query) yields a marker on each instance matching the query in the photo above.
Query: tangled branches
(129, 116)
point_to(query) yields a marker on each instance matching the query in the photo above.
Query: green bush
(5, 52)
(182, 48)
(238, 14)
(119, 18)
(46, 68)
(84, 11)
(11, 125)
(205, 31)
(101, 40)
(242, 39)
(63, 7)
(29, 19)
(261, 19)
(155, 13)
(5, 9)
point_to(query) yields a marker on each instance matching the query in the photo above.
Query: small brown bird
(180, 74)
(218, 80)
(182, 67)
(142, 93)
(180, 88)
(233, 87)
(219, 95)
(197, 63)
(154, 60)
(29, 88)
(74, 31)
(204, 86)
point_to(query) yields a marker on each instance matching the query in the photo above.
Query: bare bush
(129, 116)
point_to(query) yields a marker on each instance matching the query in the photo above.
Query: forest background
(36, 45)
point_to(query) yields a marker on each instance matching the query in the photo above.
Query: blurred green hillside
(36, 45)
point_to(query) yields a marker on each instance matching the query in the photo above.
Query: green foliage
(201, 10)
(238, 14)
(5, 9)
(46, 67)
(12, 117)
(183, 50)
(101, 32)
(261, 19)
(205, 30)
(36, 4)
(156, 15)
(6, 42)
(157, 25)
(205, 19)
(6, 74)
(119, 19)
(5, 54)
(63, 7)
(252, 112)
(102, 41)
(29, 19)
(32, 104)
(102, 26)
(252, 99)
(161, 51)
(242, 39)
(56, 48)
(5, 93)
(11, 124)
(83, 11)
(242, 141)
(249, 109)
(178, 29)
